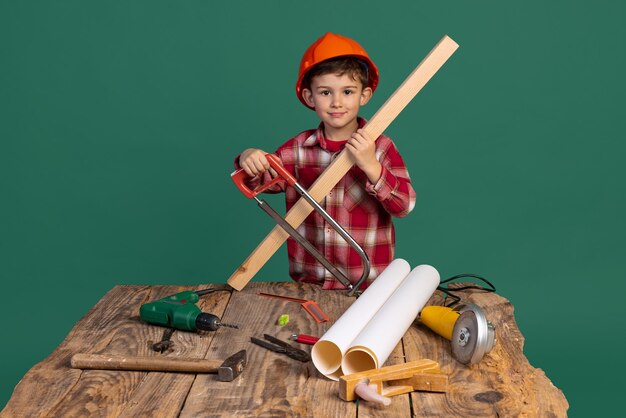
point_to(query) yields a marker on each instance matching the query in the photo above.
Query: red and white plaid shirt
(363, 209)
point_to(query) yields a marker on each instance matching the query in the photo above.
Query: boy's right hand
(253, 162)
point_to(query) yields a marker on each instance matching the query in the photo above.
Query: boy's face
(336, 100)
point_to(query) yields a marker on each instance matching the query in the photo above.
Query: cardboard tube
(328, 352)
(371, 348)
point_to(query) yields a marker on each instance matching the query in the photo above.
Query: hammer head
(232, 367)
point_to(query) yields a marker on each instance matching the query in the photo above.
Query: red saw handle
(240, 176)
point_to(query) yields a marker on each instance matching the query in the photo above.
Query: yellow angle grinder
(465, 326)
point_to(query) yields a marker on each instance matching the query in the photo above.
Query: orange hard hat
(332, 46)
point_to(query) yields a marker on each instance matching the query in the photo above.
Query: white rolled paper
(328, 352)
(371, 348)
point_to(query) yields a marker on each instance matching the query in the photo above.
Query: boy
(336, 78)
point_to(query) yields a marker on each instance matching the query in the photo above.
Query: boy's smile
(337, 100)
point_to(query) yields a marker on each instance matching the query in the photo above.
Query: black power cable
(211, 290)
(450, 292)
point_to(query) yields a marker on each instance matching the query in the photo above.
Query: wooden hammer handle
(161, 364)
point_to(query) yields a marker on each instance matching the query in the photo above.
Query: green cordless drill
(179, 311)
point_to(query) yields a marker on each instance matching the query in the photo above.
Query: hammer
(226, 371)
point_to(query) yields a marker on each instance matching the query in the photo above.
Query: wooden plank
(342, 164)
(163, 394)
(502, 384)
(106, 393)
(113, 327)
(52, 380)
(272, 384)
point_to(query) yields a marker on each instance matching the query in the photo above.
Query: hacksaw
(342, 164)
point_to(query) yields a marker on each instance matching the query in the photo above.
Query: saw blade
(473, 336)
(464, 337)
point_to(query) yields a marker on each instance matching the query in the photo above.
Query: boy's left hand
(363, 149)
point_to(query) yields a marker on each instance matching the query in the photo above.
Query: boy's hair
(354, 67)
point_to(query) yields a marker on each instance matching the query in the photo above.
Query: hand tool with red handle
(279, 346)
(239, 178)
(304, 339)
(309, 305)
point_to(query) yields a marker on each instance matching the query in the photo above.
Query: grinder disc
(473, 336)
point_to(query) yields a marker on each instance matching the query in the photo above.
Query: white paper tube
(371, 348)
(329, 350)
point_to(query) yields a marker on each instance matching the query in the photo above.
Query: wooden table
(273, 385)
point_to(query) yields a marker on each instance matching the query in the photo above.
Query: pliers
(282, 347)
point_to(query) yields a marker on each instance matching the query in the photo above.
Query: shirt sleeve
(393, 189)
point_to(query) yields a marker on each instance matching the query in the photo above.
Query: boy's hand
(253, 162)
(363, 149)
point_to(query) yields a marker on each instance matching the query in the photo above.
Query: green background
(119, 122)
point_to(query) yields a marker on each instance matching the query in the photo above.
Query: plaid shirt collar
(318, 138)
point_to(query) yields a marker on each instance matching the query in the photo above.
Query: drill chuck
(209, 322)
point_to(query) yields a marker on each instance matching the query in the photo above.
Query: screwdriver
(304, 339)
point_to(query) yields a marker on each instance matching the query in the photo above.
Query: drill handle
(187, 296)
(176, 311)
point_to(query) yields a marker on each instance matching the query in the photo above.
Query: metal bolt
(464, 337)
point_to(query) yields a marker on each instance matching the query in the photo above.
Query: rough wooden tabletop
(272, 385)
